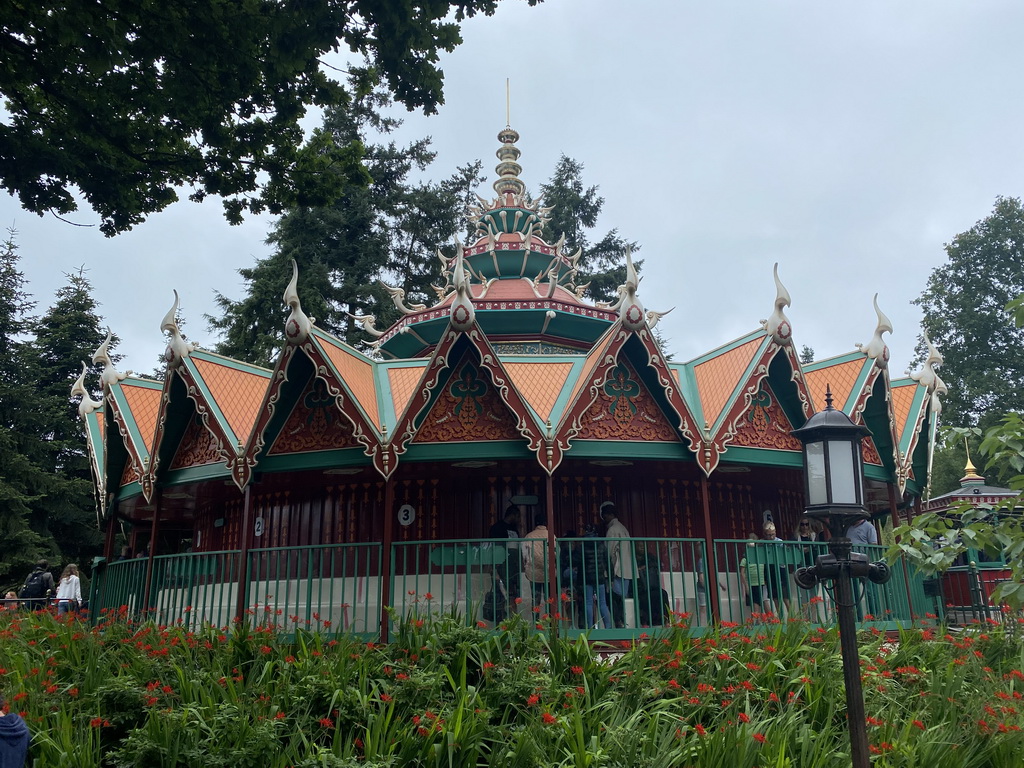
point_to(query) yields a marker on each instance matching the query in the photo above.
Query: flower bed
(443, 694)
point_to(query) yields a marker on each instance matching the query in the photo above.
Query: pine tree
(65, 335)
(576, 209)
(22, 482)
(389, 229)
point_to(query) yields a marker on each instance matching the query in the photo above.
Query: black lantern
(835, 491)
(832, 463)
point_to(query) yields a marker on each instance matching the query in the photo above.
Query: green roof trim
(769, 457)
(468, 451)
(339, 457)
(628, 449)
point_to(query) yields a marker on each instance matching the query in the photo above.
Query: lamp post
(835, 494)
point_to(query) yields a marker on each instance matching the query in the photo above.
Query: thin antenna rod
(508, 103)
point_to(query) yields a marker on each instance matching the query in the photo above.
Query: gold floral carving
(129, 475)
(625, 410)
(765, 425)
(315, 424)
(198, 447)
(468, 408)
(869, 452)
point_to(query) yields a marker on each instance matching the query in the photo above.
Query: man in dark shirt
(507, 528)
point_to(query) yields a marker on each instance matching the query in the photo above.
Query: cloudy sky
(846, 141)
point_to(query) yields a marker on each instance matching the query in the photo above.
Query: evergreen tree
(389, 229)
(576, 210)
(22, 482)
(67, 334)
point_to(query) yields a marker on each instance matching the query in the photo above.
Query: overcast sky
(846, 141)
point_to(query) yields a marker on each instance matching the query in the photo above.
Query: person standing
(69, 590)
(508, 528)
(777, 572)
(808, 538)
(620, 552)
(535, 558)
(862, 535)
(38, 587)
(594, 568)
(752, 579)
(14, 738)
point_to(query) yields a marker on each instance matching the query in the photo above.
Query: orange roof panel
(237, 393)
(902, 400)
(403, 383)
(144, 403)
(718, 377)
(840, 378)
(539, 383)
(357, 375)
(588, 368)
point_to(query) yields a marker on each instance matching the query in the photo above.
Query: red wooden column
(153, 530)
(709, 551)
(385, 556)
(245, 544)
(552, 567)
(108, 541)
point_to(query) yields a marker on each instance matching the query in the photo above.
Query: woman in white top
(69, 590)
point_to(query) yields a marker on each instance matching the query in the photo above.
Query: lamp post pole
(842, 585)
(835, 491)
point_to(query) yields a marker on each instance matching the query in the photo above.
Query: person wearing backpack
(38, 587)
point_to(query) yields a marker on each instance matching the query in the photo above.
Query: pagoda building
(511, 387)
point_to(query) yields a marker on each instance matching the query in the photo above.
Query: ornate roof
(509, 361)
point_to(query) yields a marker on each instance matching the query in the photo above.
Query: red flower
(326, 722)
(576, 670)
(759, 737)
(280, 716)
(549, 719)
(918, 724)
(532, 700)
(744, 717)
(699, 729)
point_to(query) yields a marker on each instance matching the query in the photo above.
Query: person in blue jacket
(14, 738)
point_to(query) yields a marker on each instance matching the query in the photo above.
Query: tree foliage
(123, 101)
(388, 229)
(575, 213)
(46, 500)
(966, 316)
(934, 541)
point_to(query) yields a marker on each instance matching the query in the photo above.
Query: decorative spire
(109, 375)
(298, 325)
(462, 313)
(777, 325)
(970, 471)
(631, 311)
(508, 169)
(88, 405)
(177, 348)
(876, 349)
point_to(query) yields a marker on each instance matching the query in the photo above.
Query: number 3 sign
(406, 514)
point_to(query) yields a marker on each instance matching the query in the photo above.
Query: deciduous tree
(123, 102)
(966, 316)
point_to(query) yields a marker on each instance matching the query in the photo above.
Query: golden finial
(970, 471)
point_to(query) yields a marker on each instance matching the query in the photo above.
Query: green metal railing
(613, 588)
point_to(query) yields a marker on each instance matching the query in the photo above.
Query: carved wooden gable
(869, 452)
(130, 474)
(625, 410)
(765, 424)
(198, 446)
(468, 408)
(315, 424)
